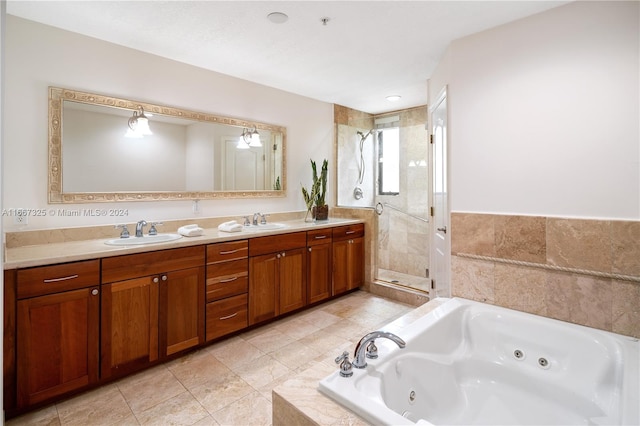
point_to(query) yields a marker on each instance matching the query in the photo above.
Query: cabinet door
(263, 287)
(292, 280)
(182, 306)
(348, 264)
(318, 272)
(356, 263)
(340, 266)
(57, 344)
(129, 325)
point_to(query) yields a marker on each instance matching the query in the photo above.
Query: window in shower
(389, 161)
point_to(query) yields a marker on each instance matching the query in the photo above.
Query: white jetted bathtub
(471, 363)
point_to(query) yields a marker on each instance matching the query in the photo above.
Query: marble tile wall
(577, 270)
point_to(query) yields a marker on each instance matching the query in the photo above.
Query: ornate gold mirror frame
(57, 98)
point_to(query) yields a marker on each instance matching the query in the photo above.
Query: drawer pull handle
(55, 280)
(228, 280)
(350, 232)
(228, 317)
(319, 237)
(231, 251)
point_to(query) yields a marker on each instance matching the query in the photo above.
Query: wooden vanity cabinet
(57, 320)
(348, 258)
(319, 250)
(152, 307)
(227, 286)
(277, 275)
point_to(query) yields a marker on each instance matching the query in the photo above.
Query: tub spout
(360, 355)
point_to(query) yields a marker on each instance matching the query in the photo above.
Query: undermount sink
(146, 239)
(266, 226)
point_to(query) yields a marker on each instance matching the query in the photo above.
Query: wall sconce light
(249, 138)
(138, 124)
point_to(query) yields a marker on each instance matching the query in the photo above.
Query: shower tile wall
(608, 246)
(348, 122)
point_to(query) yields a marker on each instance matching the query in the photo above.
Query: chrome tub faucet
(366, 347)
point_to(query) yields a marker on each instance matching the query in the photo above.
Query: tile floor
(229, 382)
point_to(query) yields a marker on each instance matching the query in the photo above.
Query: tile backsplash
(577, 270)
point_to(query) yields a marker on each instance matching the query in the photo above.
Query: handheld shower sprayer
(357, 192)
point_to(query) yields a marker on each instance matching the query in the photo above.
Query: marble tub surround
(231, 381)
(298, 401)
(56, 251)
(577, 270)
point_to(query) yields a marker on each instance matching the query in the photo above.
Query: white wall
(544, 114)
(38, 56)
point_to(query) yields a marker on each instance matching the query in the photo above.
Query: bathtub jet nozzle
(360, 354)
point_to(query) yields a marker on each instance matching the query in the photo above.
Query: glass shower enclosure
(385, 168)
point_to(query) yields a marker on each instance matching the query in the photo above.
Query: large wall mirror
(100, 150)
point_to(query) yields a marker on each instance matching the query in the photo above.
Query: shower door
(403, 204)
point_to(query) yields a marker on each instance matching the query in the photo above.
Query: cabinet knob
(278, 256)
(283, 254)
(164, 278)
(94, 292)
(309, 249)
(155, 279)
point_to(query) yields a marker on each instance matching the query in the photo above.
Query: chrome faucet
(366, 347)
(255, 218)
(139, 227)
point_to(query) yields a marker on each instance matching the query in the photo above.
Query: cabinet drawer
(349, 231)
(227, 251)
(227, 279)
(274, 243)
(319, 236)
(56, 278)
(130, 266)
(226, 316)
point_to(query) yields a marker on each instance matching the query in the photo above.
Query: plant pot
(321, 212)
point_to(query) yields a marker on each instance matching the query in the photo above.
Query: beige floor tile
(182, 409)
(319, 318)
(296, 328)
(149, 388)
(47, 416)
(237, 352)
(252, 410)
(207, 421)
(197, 368)
(103, 406)
(322, 340)
(270, 340)
(261, 371)
(221, 391)
(294, 354)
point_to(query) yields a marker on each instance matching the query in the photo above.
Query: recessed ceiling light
(277, 17)
(393, 98)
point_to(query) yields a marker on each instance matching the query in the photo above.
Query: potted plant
(315, 198)
(321, 207)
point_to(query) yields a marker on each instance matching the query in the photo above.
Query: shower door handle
(443, 229)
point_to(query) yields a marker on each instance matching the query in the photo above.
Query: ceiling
(366, 51)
